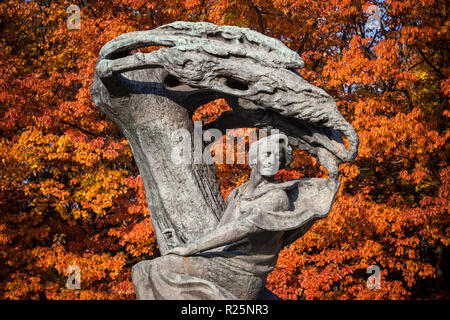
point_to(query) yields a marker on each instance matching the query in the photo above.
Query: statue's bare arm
(237, 229)
(228, 233)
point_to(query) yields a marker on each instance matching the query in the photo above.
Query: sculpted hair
(277, 139)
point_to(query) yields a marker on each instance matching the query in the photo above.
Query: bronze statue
(211, 249)
(260, 218)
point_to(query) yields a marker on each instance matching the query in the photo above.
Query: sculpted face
(269, 158)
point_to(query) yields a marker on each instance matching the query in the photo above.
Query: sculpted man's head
(270, 154)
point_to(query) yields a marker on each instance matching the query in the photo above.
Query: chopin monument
(212, 249)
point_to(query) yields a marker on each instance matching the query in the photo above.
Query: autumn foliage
(70, 192)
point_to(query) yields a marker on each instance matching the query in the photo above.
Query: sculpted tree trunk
(149, 96)
(184, 200)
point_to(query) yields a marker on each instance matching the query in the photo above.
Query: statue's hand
(184, 251)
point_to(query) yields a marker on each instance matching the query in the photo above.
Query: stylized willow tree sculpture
(150, 95)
